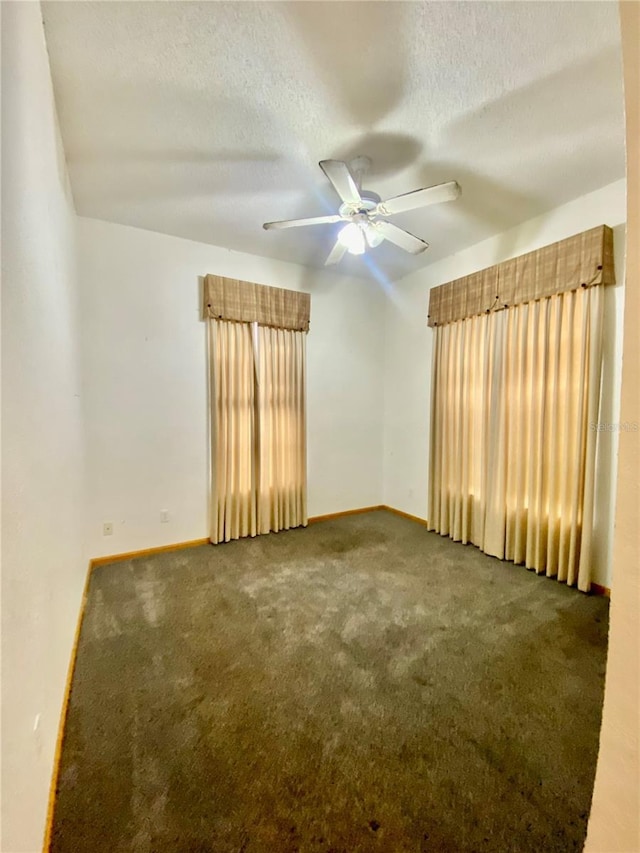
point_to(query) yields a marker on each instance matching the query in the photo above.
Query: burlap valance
(246, 302)
(579, 261)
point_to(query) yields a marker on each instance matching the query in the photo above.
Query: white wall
(145, 383)
(408, 356)
(43, 569)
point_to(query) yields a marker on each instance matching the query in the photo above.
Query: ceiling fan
(363, 211)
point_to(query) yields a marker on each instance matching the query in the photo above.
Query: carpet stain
(359, 685)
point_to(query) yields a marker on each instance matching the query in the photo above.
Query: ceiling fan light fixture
(352, 238)
(374, 237)
(362, 209)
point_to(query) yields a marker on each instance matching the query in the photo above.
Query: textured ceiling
(204, 120)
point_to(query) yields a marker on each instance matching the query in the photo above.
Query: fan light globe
(352, 238)
(374, 238)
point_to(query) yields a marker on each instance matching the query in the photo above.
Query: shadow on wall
(555, 123)
(118, 179)
(390, 153)
(144, 186)
(364, 92)
(483, 201)
(554, 112)
(121, 171)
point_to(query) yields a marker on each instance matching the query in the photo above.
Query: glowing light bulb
(352, 238)
(374, 238)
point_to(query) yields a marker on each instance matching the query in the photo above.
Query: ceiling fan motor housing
(369, 202)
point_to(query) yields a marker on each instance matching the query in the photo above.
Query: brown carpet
(361, 685)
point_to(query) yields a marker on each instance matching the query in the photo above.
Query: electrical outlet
(107, 528)
(164, 516)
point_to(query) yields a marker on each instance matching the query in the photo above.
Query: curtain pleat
(258, 429)
(233, 431)
(512, 456)
(282, 476)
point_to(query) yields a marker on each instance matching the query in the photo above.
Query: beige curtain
(282, 478)
(515, 398)
(233, 431)
(258, 430)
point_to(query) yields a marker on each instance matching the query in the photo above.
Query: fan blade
(401, 238)
(336, 254)
(419, 198)
(295, 223)
(343, 181)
